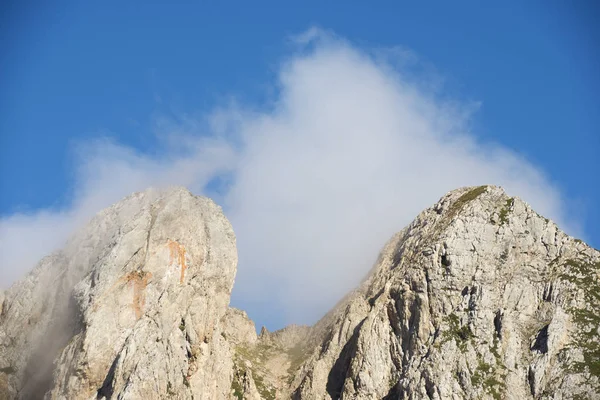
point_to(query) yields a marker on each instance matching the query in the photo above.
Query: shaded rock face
(478, 298)
(130, 308)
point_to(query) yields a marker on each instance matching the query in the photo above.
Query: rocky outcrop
(478, 298)
(238, 328)
(130, 308)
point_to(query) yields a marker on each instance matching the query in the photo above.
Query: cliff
(478, 298)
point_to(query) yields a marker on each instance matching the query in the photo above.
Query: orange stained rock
(177, 252)
(139, 281)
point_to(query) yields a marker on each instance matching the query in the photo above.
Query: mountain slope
(478, 298)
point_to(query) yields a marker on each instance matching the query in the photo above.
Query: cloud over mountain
(352, 146)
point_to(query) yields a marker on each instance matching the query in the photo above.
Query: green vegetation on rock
(485, 376)
(258, 359)
(506, 210)
(460, 334)
(236, 387)
(585, 276)
(297, 355)
(459, 204)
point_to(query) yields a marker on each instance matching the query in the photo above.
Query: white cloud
(352, 148)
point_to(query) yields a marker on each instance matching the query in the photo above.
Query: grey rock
(478, 298)
(131, 307)
(506, 306)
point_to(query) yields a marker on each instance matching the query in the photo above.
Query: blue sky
(76, 71)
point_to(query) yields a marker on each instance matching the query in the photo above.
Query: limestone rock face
(130, 308)
(478, 298)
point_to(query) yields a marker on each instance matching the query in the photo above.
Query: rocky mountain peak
(130, 306)
(479, 297)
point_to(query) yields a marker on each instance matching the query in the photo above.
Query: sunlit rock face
(478, 298)
(130, 308)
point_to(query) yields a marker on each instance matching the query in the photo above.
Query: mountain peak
(479, 297)
(147, 275)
